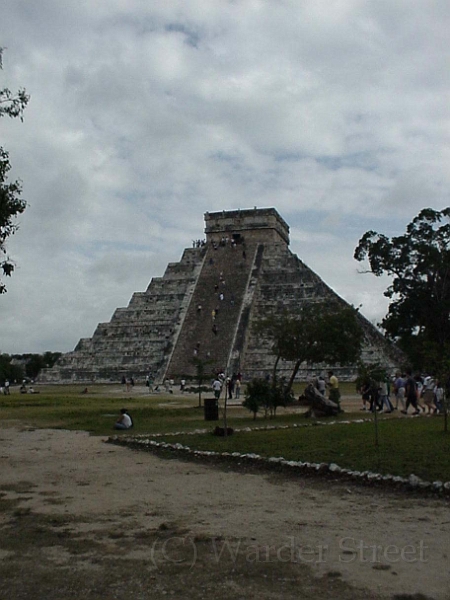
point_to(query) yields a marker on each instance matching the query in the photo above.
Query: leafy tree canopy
(419, 264)
(318, 332)
(11, 204)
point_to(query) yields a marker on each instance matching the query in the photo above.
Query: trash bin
(211, 406)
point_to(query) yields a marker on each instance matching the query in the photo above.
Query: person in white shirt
(217, 386)
(124, 421)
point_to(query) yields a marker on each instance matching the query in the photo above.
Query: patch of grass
(406, 446)
(64, 407)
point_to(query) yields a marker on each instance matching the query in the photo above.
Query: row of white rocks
(262, 428)
(248, 429)
(412, 482)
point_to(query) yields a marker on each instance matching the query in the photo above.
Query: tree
(200, 375)
(261, 393)
(318, 332)
(371, 375)
(257, 394)
(9, 370)
(419, 264)
(11, 204)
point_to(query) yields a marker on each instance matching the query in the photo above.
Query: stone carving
(320, 406)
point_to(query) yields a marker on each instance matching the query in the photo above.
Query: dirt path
(83, 518)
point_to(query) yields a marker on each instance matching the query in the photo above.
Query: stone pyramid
(204, 307)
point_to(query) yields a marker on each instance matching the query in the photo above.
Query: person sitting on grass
(124, 421)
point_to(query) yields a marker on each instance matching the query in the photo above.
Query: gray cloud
(145, 115)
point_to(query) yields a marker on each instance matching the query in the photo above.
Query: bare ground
(81, 518)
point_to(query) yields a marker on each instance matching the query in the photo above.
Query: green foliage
(35, 362)
(201, 374)
(9, 370)
(282, 395)
(17, 366)
(419, 264)
(317, 332)
(257, 394)
(261, 393)
(370, 374)
(11, 205)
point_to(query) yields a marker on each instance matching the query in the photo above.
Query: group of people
(225, 241)
(24, 390)
(422, 393)
(232, 385)
(332, 384)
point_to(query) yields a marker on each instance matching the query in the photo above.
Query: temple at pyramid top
(262, 225)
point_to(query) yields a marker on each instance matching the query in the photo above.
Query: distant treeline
(17, 367)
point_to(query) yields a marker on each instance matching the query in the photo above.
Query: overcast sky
(145, 114)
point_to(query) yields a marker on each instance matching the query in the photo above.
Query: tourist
(419, 390)
(439, 397)
(149, 383)
(429, 395)
(182, 385)
(399, 391)
(124, 421)
(411, 394)
(237, 389)
(7, 390)
(230, 387)
(321, 385)
(334, 394)
(217, 387)
(383, 397)
(374, 396)
(365, 394)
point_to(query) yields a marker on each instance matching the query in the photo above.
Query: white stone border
(249, 429)
(412, 482)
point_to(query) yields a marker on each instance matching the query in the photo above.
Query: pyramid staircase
(204, 335)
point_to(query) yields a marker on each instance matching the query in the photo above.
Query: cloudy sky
(145, 114)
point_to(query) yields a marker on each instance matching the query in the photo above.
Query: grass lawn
(410, 445)
(65, 407)
(406, 446)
